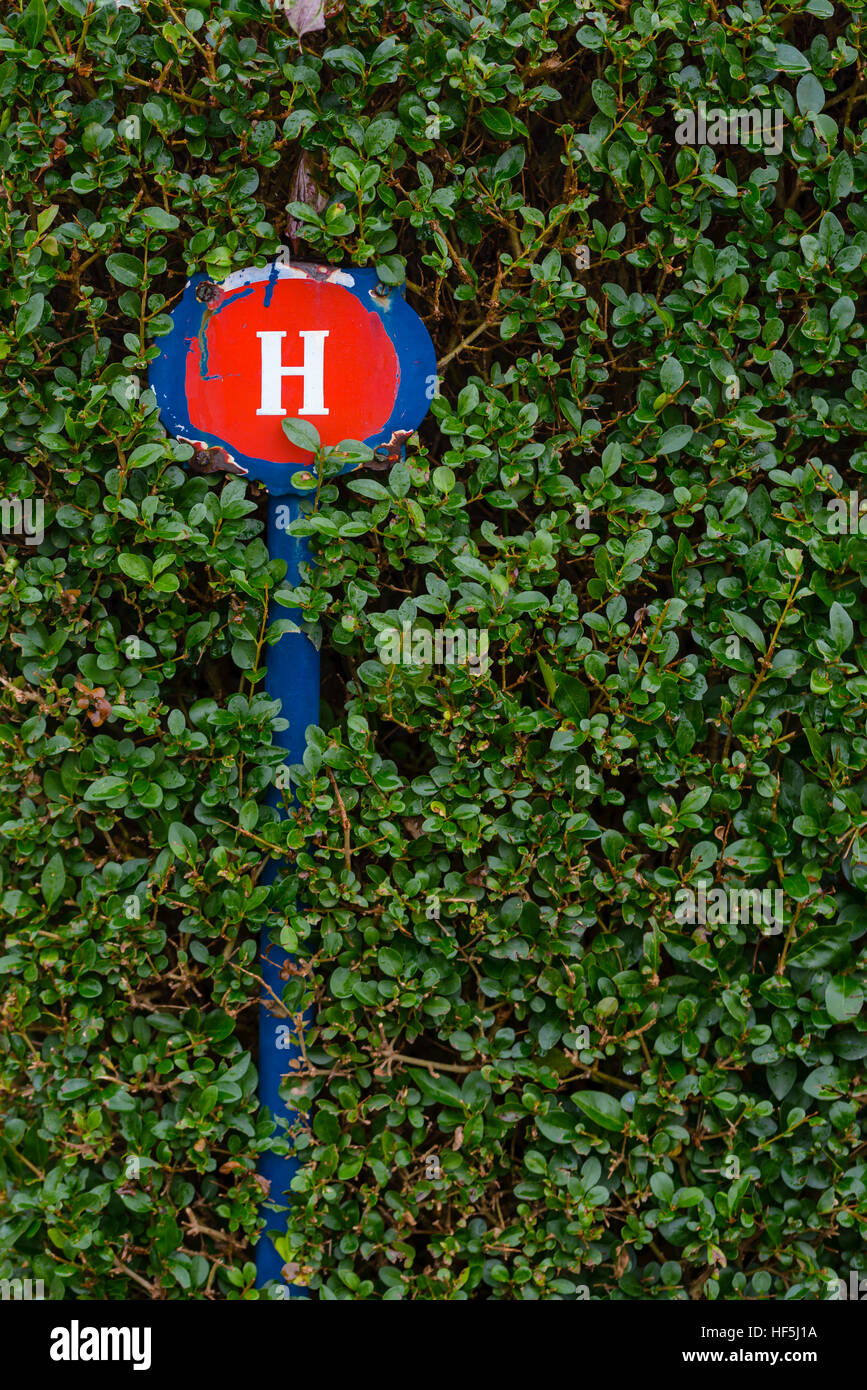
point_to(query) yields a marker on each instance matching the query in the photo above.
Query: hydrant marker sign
(348, 354)
(334, 347)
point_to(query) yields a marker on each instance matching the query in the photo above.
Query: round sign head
(335, 348)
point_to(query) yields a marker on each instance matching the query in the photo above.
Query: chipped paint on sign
(292, 341)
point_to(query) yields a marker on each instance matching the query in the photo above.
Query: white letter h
(312, 372)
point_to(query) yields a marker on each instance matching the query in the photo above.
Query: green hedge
(530, 1076)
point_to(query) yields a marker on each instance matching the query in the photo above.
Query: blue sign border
(406, 331)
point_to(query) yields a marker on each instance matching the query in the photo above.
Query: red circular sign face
(290, 349)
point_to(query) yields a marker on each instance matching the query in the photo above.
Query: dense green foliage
(527, 1079)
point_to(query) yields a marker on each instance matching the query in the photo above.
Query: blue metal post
(209, 406)
(292, 678)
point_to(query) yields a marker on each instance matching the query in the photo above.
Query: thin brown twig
(131, 1274)
(470, 338)
(431, 1066)
(344, 821)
